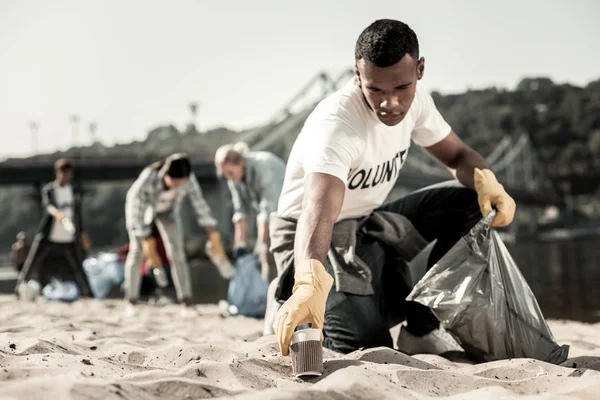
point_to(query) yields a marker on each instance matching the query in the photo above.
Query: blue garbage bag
(103, 272)
(247, 289)
(67, 291)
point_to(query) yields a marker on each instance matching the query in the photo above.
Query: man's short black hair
(385, 42)
(63, 165)
(178, 166)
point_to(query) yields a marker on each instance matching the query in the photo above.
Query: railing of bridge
(112, 160)
(513, 159)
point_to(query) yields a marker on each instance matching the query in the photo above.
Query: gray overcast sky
(131, 65)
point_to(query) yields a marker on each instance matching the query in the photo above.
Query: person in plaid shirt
(155, 197)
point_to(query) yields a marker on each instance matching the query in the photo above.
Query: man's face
(390, 91)
(64, 176)
(233, 172)
(175, 183)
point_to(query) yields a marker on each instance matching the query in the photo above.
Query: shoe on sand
(188, 312)
(130, 310)
(438, 341)
(163, 301)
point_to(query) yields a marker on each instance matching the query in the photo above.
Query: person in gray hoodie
(255, 180)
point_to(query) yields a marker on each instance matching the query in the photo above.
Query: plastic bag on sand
(247, 289)
(103, 272)
(478, 293)
(29, 291)
(61, 291)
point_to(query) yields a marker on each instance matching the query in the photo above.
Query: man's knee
(463, 204)
(471, 207)
(354, 322)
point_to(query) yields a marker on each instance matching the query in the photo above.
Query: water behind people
(564, 276)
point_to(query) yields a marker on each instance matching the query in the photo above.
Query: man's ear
(356, 74)
(420, 68)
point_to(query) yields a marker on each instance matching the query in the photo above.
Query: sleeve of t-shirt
(331, 148)
(431, 127)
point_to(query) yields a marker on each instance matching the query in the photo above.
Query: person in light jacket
(155, 197)
(255, 180)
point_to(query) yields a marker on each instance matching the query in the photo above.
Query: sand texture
(88, 350)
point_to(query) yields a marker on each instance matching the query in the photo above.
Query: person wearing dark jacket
(60, 233)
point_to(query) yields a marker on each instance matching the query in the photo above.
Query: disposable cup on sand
(306, 352)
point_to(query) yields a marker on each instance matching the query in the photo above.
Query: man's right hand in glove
(307, 303)
(149, 247)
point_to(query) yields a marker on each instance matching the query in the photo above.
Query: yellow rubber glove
(149, 246)
(217, 250)
(491, 194)
(216, 253)
(86, 242)
(306, 305)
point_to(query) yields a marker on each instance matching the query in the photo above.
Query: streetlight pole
(194, 111)
(37, 186)
(92, 127)
(33, 127)
(74, 126)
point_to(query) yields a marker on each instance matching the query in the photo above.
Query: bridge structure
(514, 159)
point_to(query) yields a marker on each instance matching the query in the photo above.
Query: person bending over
(155, 197)
(255, 180)
(340, 171)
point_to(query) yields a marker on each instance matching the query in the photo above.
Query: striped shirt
(143, 195)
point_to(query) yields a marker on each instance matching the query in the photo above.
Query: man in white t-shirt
(343, 165)
(60, 235)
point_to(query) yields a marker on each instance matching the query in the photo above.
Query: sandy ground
(87, 350)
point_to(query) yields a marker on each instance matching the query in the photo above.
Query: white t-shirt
(343, 137)
(63, 198)
(166, 200)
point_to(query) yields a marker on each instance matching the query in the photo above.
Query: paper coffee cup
(306, 352)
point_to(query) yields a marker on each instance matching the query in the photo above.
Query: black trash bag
(479, 295)
(247, 289)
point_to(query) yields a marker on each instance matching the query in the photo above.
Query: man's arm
(322, 203)
(458, 157)
(240, 231)
(14, 253)
(262, 231)
(240, 221)
(323, 198)
(49, 206)
(139, 201)
(270, 189)
(472, 170)
(54, 212)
